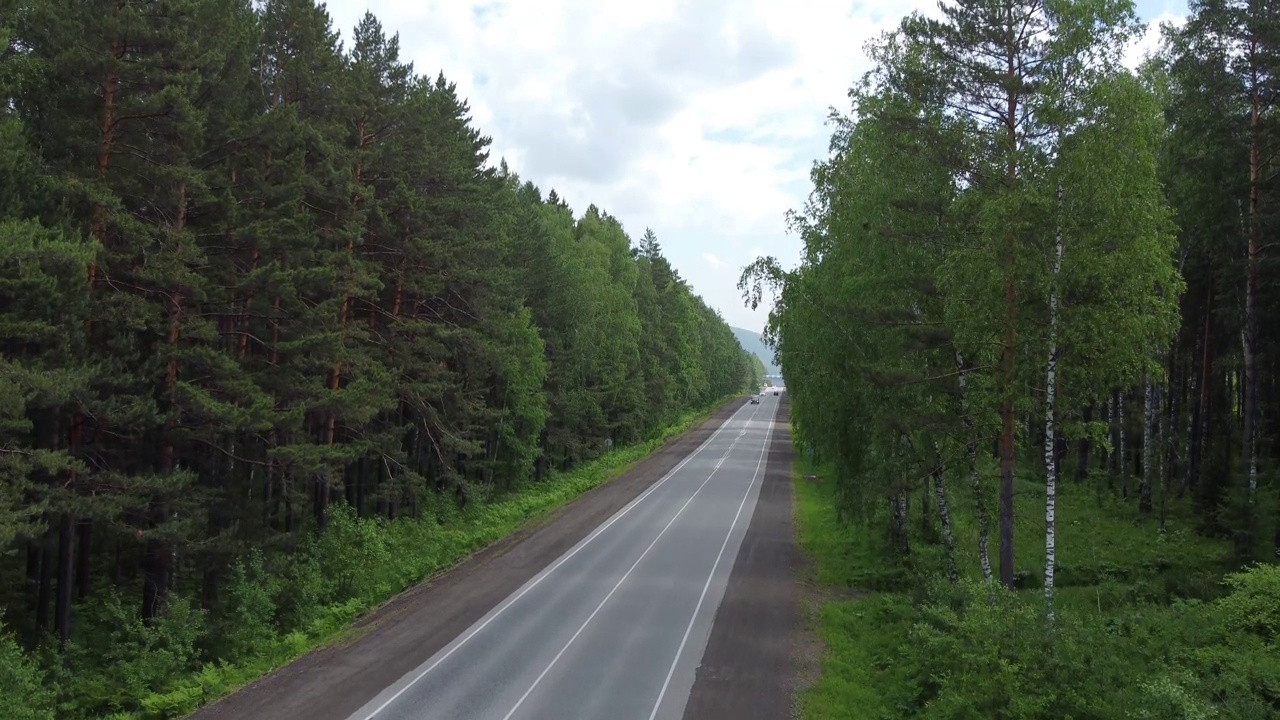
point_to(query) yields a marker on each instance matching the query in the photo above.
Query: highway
(616, 626)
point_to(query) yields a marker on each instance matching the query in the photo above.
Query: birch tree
(1114, 231)
(997, 68)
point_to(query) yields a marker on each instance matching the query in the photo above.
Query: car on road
(775, 392)
(755, 400)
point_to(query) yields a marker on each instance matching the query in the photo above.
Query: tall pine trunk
(158, 556)
(899, 507)
(1150, 418)
(66, 577)
(1194, 399)
(1249, 436)
(84, 535)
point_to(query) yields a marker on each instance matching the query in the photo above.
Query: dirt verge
(752, 662)
(332, 682)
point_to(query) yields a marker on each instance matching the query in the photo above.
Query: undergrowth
(275, 608)
(1148, 625)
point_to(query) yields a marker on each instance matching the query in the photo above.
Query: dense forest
(1033, 279)
(279, 339)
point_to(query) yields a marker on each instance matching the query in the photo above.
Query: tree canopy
(254, 283)
(1021, 257)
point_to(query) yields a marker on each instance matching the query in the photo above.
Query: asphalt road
(616, 627)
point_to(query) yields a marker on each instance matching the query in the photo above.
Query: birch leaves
(990, 244)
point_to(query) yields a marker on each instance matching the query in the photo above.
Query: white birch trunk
(1168, 453)
(1122, 464)
(1050, 398)
(1149, 455)
(944, 515)
(1108, 411)
(944, 508)
(979, 501)
(1253, 467)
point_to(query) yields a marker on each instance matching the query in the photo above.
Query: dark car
(775, 392)
(755, 400)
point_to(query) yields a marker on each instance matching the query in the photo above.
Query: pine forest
(280, 340)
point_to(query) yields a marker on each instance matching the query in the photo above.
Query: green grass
(862, 635)
(388, 557)
(1115, 570)
(1108, 555)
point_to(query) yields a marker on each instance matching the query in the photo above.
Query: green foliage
(279, 339)
(279, 608)
(982, 654)
(973, 200)
(26, 697)
(248, 618)
(991, 252)
(1022, 260)
(130, 660)
(923, 648)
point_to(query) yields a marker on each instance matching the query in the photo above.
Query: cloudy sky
(697, 118)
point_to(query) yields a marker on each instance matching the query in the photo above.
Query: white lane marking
(543, 575)
(674, 661)
(616, 585)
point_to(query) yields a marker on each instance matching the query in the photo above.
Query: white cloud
(697, 118)
(1151, 39)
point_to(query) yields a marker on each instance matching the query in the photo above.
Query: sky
(699, 119)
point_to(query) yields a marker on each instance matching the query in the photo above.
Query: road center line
(616, 585)
(547, 571)
(692, 618)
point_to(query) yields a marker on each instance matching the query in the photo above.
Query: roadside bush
(25, 695)
(976, 653)
(1239, 668)
(247, 621)
(301, 592)
(980, 653)
(354, 556)
(131, 660)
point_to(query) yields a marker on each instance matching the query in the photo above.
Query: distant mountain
(751, 342)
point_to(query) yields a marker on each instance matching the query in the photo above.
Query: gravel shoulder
(332, 682)
(752, 664)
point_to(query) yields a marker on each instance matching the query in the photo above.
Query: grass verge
(860, 634)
